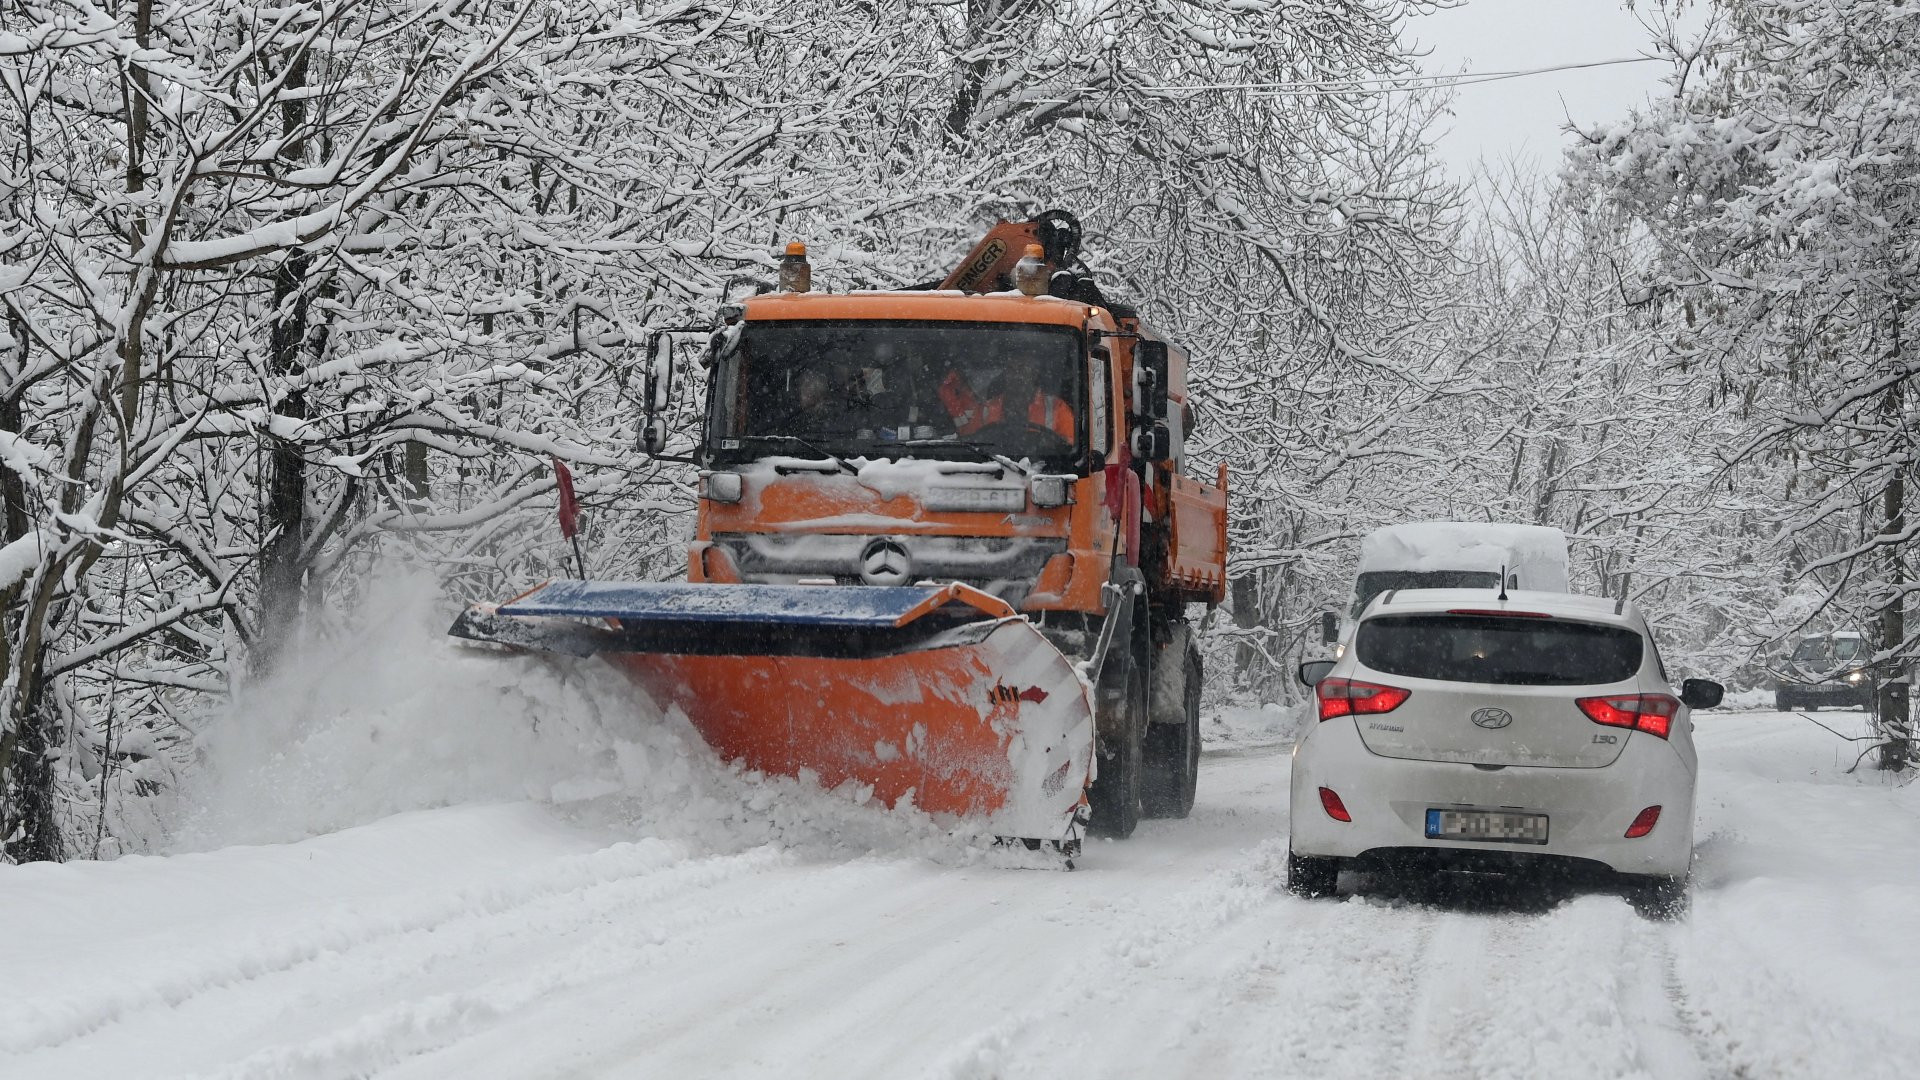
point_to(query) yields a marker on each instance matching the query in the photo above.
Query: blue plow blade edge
(874, 606)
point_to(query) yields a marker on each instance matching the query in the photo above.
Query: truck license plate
(1491, 826)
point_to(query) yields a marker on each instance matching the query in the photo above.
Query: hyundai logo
(1492, 718)
(885, 562)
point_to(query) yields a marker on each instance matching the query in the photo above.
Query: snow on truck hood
(799, 493)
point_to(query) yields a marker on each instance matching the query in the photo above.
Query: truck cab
(1018, 444)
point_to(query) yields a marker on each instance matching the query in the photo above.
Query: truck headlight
(1050, 491)
(722, 487)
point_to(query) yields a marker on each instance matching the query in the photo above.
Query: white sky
(1522, 118)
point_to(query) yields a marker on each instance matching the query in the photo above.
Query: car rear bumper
(1588, 810)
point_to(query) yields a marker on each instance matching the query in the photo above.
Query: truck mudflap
(940, 696)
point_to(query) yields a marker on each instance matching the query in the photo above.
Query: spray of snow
(397, 717)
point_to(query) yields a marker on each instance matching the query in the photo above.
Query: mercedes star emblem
(885, 562)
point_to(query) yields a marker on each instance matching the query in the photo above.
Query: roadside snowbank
(1247, 727)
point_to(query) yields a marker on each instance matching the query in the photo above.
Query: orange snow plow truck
(947, 543)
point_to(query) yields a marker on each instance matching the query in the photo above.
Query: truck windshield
(1374, 582)
(1826, 652)
(899, 389)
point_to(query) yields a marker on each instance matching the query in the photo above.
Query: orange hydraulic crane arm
(989, 266)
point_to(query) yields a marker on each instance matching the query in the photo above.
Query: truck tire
(1173, 752)
(1114, 796)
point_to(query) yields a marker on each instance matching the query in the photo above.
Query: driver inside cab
(837, 399)
(1018, 399)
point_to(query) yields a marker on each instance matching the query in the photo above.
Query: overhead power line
(1386, 84)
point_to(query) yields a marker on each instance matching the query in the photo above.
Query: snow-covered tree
(1777, 184)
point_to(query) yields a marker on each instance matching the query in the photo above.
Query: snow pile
(399, 717)
(1247, 727)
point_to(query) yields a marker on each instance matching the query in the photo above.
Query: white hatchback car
(1466, 729)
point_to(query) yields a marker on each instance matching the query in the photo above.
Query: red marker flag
(569, 506)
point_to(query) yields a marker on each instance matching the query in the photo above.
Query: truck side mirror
(1153, 441)
(1311, 672)
(1151, 370)
(657, 392)
(653, 435)
(1701, 693)
(1329, 627)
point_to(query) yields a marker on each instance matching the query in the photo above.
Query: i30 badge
(1492, 718)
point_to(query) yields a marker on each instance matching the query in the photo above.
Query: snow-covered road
(524, 940)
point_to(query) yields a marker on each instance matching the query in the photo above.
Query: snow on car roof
(1596, 608)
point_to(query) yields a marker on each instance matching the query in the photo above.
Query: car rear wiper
(798, 441)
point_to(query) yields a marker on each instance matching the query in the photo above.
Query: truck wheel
(1115, 794)
(1173, 753)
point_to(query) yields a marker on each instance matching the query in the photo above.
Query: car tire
(1660, 897)
(1782, 702)
(1311, 876)
(1173, 753)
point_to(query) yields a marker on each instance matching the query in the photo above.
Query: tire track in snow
(1451, 1001)
(407, 940)
(1708, 1056)
(53, 1022)
(926, 966)
(606, 949)
(1233, 948)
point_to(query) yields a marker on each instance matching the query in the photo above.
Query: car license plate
(1490, 826)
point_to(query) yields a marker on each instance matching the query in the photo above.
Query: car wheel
(1781, 702)
(1661, 898)
(1311, 876)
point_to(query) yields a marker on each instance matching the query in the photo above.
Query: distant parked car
(1825, 669)
(1469, 731)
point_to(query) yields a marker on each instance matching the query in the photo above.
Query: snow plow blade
(940, 695)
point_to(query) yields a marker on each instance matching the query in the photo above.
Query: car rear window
(1493, 649)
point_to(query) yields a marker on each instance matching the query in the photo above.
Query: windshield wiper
(978, 448)
(798, 441)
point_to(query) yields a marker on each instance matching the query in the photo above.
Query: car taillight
(1643, 822)
(1351, 697)
(1651, 713)
(1330, 802)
